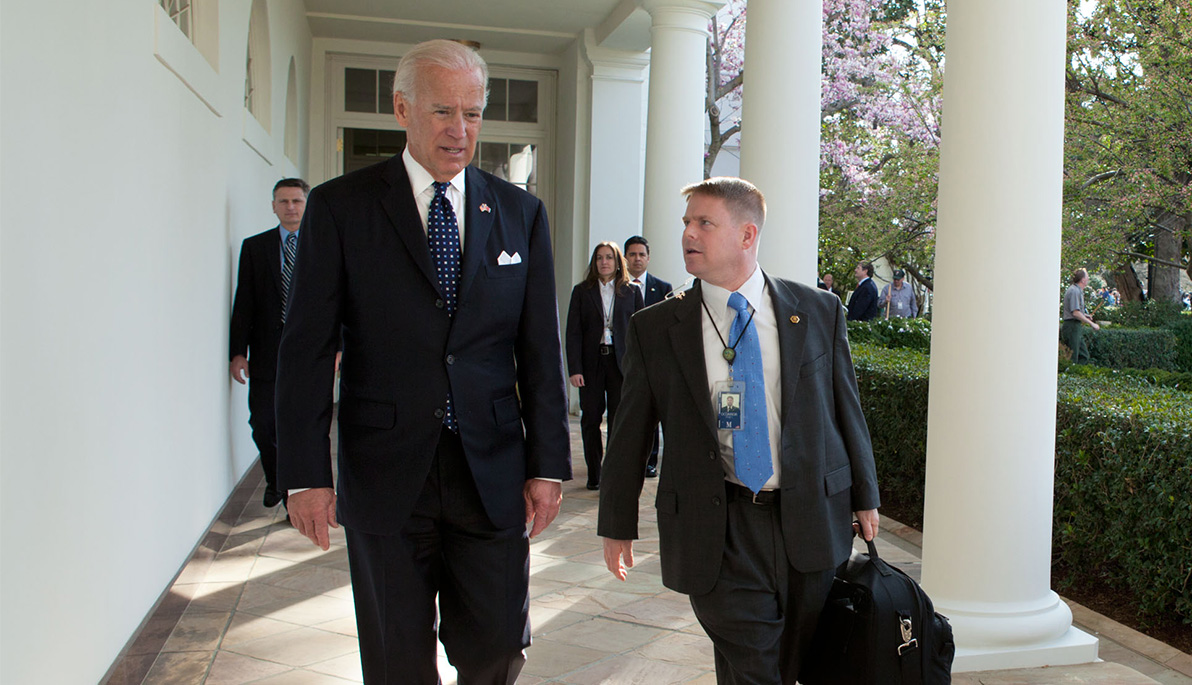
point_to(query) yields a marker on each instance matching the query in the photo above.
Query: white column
(616, 145)
(991, 416)
(780, 130)
(675, 124)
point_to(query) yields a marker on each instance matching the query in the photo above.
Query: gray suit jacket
(827, 460)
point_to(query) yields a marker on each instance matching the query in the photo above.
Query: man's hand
(614, 552)
(868, 519)
(239, 366)
(542, 503)
(311, 511)
(1095, 326)
(577, 380)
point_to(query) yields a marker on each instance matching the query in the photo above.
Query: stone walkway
(258, 603)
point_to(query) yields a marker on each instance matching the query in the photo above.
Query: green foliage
(1123, 470)
(1123, 474)
(892, 333)
(1132, 348)
(1150, 314)
(1178, 380)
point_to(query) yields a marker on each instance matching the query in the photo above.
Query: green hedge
(1179, 380)
(1122, 481)
(895, 333)
(1140, 348)
(1165, 315)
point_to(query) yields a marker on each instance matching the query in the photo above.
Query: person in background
(654, 290)
(1075, 316)
(863, 306)
(258, 313)
(597, 320)
(898, 299)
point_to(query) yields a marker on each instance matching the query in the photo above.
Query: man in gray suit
(778, 481)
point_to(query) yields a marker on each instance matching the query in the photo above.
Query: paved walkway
(258, 603)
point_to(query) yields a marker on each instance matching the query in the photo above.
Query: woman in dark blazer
(597, 321)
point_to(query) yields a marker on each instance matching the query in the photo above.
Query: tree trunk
(1169, 243)
(1126, 282)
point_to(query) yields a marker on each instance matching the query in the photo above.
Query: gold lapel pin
(794, 319)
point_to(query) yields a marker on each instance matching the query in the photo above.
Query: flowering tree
(1128, 149)
(880, 115)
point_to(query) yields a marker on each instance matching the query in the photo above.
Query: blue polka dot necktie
(443, 232)
(289, 254)
(751, 444)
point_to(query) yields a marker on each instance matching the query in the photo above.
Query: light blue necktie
(289, 254)
(443, 232)
(751, 444)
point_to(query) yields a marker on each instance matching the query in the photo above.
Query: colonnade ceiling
(537, 26)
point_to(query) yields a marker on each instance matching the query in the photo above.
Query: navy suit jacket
(827, 461)
(862, 306)
(366, 266)
(656, 289)
(255, 330)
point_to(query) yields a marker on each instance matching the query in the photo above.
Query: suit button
(451, 359)
(711, 455)
(439, 413)
(440, 304)
(716, 501)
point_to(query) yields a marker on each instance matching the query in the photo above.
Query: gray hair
(439, 53)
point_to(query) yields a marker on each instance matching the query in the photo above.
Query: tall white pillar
(615, 144)
(675, 124)
(780, 130)
(991, 416)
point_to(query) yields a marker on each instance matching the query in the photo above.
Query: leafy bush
(1141, 348)
(1181, 328)
(1123, 475)
(895, 333)
(1179, 380)
(1151, 314)
(1122, 480)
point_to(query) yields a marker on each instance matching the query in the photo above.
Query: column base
(1073, 647)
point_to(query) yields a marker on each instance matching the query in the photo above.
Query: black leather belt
(606, 349)
(740, 492)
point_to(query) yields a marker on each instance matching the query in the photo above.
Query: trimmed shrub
(1179, 380)
(1123, 510)
(895, 333)
(1140, 348)
(1122, 483)
(1149, 314)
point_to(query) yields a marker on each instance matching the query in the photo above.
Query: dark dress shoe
(651, 471)
(593, 486)
(272, 497)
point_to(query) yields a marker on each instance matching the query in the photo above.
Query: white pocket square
(506, 259)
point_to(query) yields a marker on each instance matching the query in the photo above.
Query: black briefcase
(878, 628)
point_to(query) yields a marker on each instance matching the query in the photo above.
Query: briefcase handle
(869, 543)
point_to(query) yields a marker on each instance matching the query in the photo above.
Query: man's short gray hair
(439, 53)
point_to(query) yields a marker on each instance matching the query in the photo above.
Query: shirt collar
(641, 278)
(420, 178)
(753, 289)
(283, 232)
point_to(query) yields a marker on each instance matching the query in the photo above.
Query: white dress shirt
(755, 292)
(422, 183)
(607, 290)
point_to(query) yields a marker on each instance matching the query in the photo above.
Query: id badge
(730, 395)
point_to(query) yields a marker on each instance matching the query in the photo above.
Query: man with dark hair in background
(862, 306)
(654, 290)
(258, 312)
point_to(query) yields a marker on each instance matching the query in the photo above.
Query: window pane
(514, 162)
(385, 92)
(497, 100)
(360, 90)
(523, 101)
(494, 158)
(390, 143)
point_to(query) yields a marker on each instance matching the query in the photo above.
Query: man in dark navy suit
(654, 290)
(258, 311)
(862, 306)
(453, 430)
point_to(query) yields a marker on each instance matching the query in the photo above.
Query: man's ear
(749, 234)
(401, 109)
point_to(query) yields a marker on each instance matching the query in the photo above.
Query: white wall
(123, 199)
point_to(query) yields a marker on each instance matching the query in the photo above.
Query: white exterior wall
(124, 201)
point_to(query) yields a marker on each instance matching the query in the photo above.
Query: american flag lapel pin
(485, 208)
